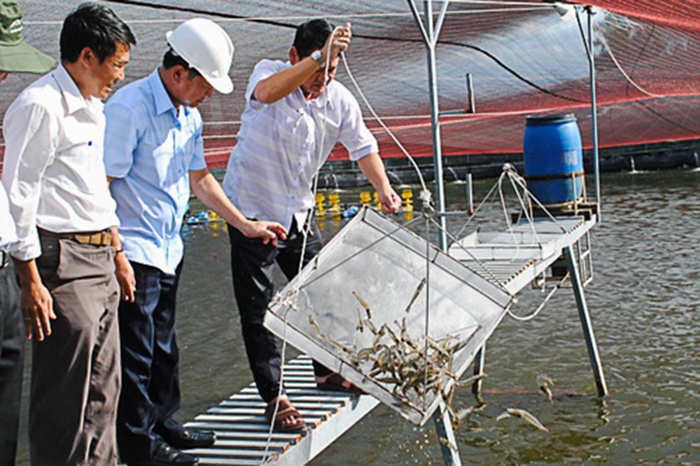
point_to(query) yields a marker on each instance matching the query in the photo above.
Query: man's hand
(339, 41)
(390, 201)
(35, 300)
(268, 231)
(125, 277)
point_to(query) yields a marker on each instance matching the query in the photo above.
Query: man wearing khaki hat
(16, 56)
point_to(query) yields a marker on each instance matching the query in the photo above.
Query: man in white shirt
(65, 217)
(295, 113)
(16, 56)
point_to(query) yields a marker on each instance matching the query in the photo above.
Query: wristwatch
(317, 56)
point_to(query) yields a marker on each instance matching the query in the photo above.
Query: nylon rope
(541, 306)
(619, 67)
(385, 127)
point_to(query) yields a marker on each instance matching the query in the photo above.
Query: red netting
(524, 58)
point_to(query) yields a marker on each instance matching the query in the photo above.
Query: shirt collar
(161, 99)
(74, 99)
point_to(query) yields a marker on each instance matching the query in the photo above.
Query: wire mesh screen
(390, 312)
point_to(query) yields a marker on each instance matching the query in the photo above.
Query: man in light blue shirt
(154, 155)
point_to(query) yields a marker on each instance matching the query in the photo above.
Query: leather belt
(94, 238)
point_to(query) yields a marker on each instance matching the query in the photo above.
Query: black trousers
(11, 363)
(150, 378)
(252, 264)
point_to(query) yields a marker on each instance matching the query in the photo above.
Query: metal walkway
(242, 432)
(514, 259)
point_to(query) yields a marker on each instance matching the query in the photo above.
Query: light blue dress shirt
(149, 149)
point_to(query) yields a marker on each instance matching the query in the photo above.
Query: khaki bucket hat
(16, 56)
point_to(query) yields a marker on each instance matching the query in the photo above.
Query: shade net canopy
(390, 312)
(524, 58)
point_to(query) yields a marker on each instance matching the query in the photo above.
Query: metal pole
(470, 94)
(448, 443)
(441, 417)
(594, 110)
(585, 317)
(470, 195)
(479, 361)
(435, 124)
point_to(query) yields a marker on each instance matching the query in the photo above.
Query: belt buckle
(98, 238)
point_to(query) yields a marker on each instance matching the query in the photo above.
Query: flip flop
(337, 383)
(285, 411)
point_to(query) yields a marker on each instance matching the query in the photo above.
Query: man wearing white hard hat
(154, 156)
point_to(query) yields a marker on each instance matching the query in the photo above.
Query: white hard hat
(207, 48)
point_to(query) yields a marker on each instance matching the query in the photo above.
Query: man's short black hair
(311, 36)
(171, 59)
(96, 27)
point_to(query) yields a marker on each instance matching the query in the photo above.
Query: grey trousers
(76, 370)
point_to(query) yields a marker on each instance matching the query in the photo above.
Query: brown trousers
(76, 370)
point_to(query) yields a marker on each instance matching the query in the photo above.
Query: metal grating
(515, 258)
(242, 432)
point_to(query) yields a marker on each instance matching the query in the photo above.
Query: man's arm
(286, 81)
(373, 169)
(29, 135)
(209, 191)
(36, 301)
(122, 267)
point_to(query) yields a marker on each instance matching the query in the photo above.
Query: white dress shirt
(54, 170)
(7, 225)
(281, 146)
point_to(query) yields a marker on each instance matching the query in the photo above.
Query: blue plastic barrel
(553, 159)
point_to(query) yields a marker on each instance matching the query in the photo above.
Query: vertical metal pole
(470, 195)
(470, 94)
(479, 361)
(441, 417)
(594, 110)
(585, 317)
(448, 443)
(435, 123)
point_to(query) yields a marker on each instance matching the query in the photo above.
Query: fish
(448, 444)
(416, 293)
(524, 415)
(363, 304)
(545, 383)
(314, 325)
(360, 327)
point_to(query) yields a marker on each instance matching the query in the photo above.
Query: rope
(541, 306)
(619, 67)
(425, 193)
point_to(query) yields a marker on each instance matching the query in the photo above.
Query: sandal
(285, 412)
(337, 383)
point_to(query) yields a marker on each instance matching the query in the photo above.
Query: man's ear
(86, 56)
(179, 73)
(294, 56)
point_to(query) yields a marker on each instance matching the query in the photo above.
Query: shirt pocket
(160, 157)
